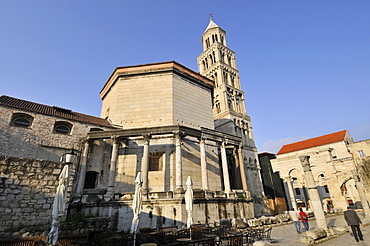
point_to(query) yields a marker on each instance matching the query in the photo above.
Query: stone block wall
(27, 188)
(39, 141)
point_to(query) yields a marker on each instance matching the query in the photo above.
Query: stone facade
(27, 189)
(156, 95)
(39, 140)
(331, 165)
(157, 119)
(218, 63)
(361, 155)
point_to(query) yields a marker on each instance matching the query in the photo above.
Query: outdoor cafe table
(183, 240)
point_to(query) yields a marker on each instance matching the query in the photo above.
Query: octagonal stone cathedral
(172, 123)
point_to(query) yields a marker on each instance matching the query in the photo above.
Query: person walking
(294, 216)
(304, 219)
(354, 222)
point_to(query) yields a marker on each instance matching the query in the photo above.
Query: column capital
(288, 178)
(305, 162)
(115, 138)
(224, 142)
(85, 140)
(356, 177)
(146, 138)
(202, 138)
(240, 147)
(179, 134)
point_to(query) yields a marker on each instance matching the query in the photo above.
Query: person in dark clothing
(354, 222)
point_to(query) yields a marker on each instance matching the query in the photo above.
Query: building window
(22, 120)
(361, 153)
(90, 180)
(326, 188)
(62, 127)
(155, 161)
(93, 129)
(297, 191)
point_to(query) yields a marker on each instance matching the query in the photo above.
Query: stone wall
(27, 188)
(39, 141)
(161, 212)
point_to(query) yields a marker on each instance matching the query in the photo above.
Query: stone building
(161, 119)
(36, 131)
(332, 166)
(272, 184)
(167, 131)
(218, 63)
(33, 139)
(361, 155)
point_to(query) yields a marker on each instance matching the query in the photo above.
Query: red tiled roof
(53, 111)
(313, 142)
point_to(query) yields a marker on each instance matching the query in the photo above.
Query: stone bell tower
(218, 63)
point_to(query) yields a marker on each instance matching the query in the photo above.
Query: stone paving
(286, 235)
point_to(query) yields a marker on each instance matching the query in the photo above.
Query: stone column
(225, 169)
(145, 163)
(361, 192)
(113, 164)
(291, 193)
(82, 176)
(179, 188)
(313, 193)
(203, 163)
(242, 168)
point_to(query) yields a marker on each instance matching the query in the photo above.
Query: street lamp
(69, 157)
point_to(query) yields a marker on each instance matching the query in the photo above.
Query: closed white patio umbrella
(189, 201)
(59, 205)
(137, 204)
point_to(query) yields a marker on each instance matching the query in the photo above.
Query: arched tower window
(222, 56)
(230, 104)
(225, 77)
(218, 107)
(232, 80)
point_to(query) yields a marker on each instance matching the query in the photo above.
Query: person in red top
(304, 219)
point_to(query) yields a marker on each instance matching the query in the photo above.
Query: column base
(208, 193)
(179, 192)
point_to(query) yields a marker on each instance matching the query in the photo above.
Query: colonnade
(178, 137)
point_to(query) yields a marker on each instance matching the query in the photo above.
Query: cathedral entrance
(234, 170)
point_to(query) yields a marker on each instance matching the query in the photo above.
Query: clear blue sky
(304, 65)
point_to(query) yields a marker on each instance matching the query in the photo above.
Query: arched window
(232, 79)
(218, 107)
(21, 120)
(96, 129)
(62, 127)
